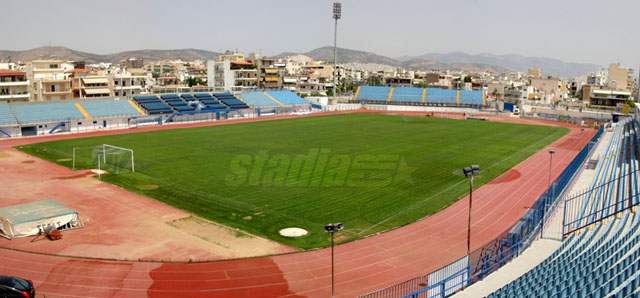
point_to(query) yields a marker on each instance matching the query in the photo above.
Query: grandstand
(258, 99)
(230, 100)
(37, 113)
(209, 103)
(373, 93)
(404, 94)
(419, 96)
(286, 98)
(153, 104)
(109, 108)
(600, 254)
(602, 262)
(6, 116)
(177, 103)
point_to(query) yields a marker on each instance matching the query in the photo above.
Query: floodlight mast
(337, 13)
(469, 172)
(332, 228)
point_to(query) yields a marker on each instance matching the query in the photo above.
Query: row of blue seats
(603, 261)
(230, 100)
(6, 116)
(153, 104)
(597, 263)
(411, 94)
(287, 98)
(258, 99)
(177, 103)
(63, 111)
(620, 159)
(209, 102)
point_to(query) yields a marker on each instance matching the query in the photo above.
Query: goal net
(105, 157)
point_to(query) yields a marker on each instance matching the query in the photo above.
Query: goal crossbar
(102, 157)
(104, 154)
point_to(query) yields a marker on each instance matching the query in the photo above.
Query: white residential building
(13, 86)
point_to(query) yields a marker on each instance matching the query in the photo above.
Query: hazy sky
(574, 31)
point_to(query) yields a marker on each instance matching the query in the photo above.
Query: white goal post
(107, 146)
(104, 155)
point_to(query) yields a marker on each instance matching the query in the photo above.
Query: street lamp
(469, 172)
(581, 130)
(332, 228)
(337, 13)
(551, 152)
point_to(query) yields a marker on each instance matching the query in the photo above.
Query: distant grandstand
(420, 96)
(47, 118)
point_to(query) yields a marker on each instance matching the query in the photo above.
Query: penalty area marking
(293, 232)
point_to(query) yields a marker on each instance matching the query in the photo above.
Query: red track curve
(361, 266)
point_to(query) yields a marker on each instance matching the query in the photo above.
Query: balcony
(14, 83)
(56, 92)
(15, 97)
(54, 79)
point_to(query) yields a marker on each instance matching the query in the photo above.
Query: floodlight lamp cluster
(334, 227)
(473, 170)
(337, 10)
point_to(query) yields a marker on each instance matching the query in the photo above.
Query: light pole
(332, 228)
(544, 211)
(551, 152)
(581, 130)
(337, 13)
(469, 172)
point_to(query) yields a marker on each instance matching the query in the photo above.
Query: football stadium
(306, 178)
(199, 199)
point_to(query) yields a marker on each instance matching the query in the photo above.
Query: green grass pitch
(372, 172)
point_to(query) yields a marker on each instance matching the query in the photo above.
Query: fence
(493, 255)
(574, 219)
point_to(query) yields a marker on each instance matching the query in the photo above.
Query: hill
(550, 66)
(67, 54)
(355, 57)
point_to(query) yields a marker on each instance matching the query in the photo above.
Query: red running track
(361, 266)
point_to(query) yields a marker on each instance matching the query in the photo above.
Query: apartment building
(125, 84)
(535, 73)
(88, 83)
(269, 75)
(48, 81)
(232, 73)
(14, 87)
(603, 96)
(620, 78)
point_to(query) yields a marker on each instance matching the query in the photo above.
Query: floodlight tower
(337, 13)
(332, 228)
(469, 172)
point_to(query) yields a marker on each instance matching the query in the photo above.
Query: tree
(193, 81)
(374, 81)
(467, 79)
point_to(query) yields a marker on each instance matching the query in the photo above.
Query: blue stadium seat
(435, 95)
(33, 113)
(230, 100)
(6, 117)
(258, 99)
(287, 98)
(109, 108)
(374, 93)
(403, 94)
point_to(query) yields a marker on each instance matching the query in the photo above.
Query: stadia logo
(317, 168)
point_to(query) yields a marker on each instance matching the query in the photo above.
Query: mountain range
(433, 61)
(67, 54)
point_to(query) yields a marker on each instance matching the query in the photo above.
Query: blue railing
(505, 247)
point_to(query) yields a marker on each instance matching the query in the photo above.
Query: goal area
(105, 157)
